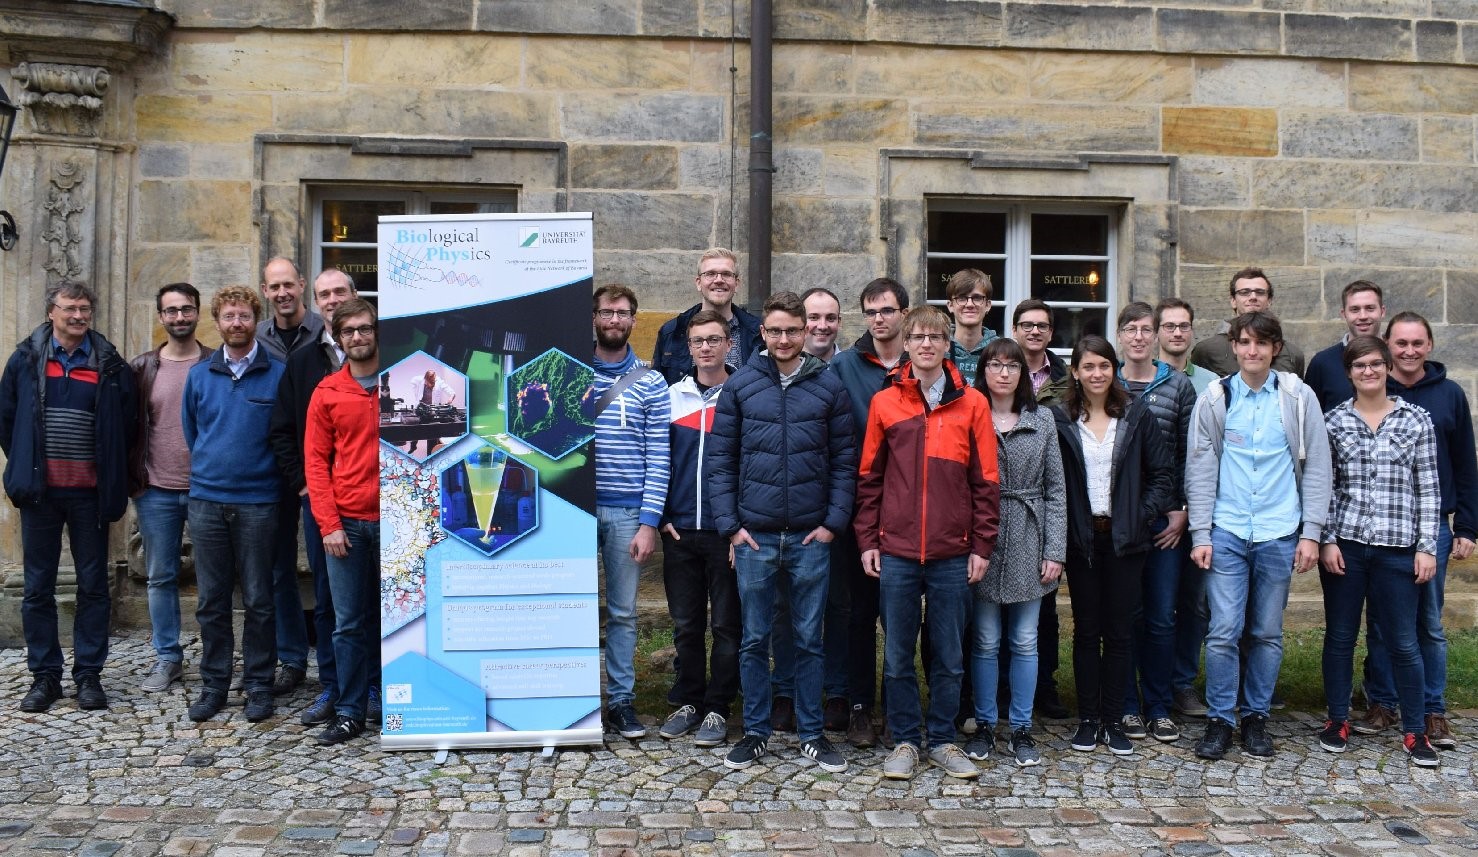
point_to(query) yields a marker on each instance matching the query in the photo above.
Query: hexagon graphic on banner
(489, 499)
(551, 403)
(423, 406)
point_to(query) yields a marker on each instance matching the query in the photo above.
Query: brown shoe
(1439, 733)
(782, 714)
(1377, 719)
(834, 714)
(860, 733)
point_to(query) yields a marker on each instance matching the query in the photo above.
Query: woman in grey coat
(1029, 553)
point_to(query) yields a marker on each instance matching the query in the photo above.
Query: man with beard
(342, 469)
(632, 465)
(159, 471)
(234, 488)
(67, 422)
(718, 284)
(305, 369)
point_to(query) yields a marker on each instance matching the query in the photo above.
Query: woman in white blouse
(1118, 482)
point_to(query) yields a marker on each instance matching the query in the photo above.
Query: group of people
(279, 423)
(941, 480)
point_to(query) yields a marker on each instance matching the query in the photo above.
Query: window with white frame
(1063, 254)
(346, 220)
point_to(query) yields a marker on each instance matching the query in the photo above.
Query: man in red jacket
(342, 467)
(928, 511)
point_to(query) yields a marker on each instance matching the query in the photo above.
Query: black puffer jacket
(1171, 397)
(782, 458)
(1142, 487)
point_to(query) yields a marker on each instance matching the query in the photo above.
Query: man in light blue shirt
(1257, 490)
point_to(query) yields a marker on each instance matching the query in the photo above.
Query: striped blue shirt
(632, 459)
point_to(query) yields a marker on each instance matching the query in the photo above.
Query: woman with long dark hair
(1380, 543)
(1118, 482)
(1030, 548)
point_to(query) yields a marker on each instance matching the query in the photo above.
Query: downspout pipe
(761, 150)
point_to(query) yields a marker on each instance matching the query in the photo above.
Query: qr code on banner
(394, 722)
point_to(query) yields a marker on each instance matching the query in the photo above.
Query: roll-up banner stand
(489, 613)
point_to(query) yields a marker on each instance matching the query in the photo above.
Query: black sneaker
(1255, 740)
(208, 703)
(1335, 737)
(825, 755)
(980, 744)
(1112, 736)
(372, 707)
(680, 723)
(90, 696)
(1217, 740)
(320, 710)
(288, 679)
(622, 718)
(1086, 738)
(1420, 750)
(45, 691)
(259, 705)
(342, 728)
(748, 751)
(1024, 748)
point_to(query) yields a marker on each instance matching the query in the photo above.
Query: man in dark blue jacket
(1362, 306)
(718, 283)
(68, 418)
(783, 469)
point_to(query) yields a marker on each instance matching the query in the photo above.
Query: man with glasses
(159, 471)
(1251, 291)
(969, 292)
(68, 419)
(632, 467)
(1175, 328)
(783, 473)
(1169, 595)
(863, 370)
(1031, 325)
(305, 369)
(1362, 306)
(234, 490)
(718, 285)
(823, 323)
(341, 466)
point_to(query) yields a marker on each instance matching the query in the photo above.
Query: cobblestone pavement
(141, 779)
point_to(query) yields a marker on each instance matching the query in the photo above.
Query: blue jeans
(1246, 589)
(782, 644)
(945, 584)
(162, 529)
(835, 628)
(1380, 684)
(355, 581)
(806, 569)
(287, 602)
(41, 549)
(1166, 610)
(1019, 624)
(615, 527)
(233, 546)
(1191, 618)
(323, 602)
(1384, 578)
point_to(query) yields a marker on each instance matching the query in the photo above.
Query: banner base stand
(496, 740)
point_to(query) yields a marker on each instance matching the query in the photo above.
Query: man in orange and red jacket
(928, 511)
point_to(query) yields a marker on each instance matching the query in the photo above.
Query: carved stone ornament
(62, 99)
(63, 222)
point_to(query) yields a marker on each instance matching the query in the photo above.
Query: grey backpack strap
(622, 385)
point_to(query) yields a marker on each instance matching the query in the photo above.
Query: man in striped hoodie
(631, 470)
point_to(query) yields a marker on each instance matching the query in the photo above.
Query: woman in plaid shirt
(1380, 543)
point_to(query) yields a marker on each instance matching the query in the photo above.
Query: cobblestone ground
(141, 779)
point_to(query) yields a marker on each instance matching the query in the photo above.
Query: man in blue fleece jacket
(234, 485)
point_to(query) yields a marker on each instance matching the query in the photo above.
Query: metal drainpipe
(761, 161)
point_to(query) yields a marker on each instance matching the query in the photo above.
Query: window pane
(967, 232)
(358, 262)
(1069, 235)
(467, 206)
(940, 270)
(1069, 281)
(1070, 325)
(356, 219)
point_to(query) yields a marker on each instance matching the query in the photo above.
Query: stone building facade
(1085, 153)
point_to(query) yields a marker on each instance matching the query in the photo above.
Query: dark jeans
(1380, 684)
(233, 546)
(944, 583)
(697, 575)
(41, 548)
(1167, 630)
(849, 636)
(323, 606)
(807, 569)
(291, 632)
(1105, 597)
(1384, 578)
(355, 580)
